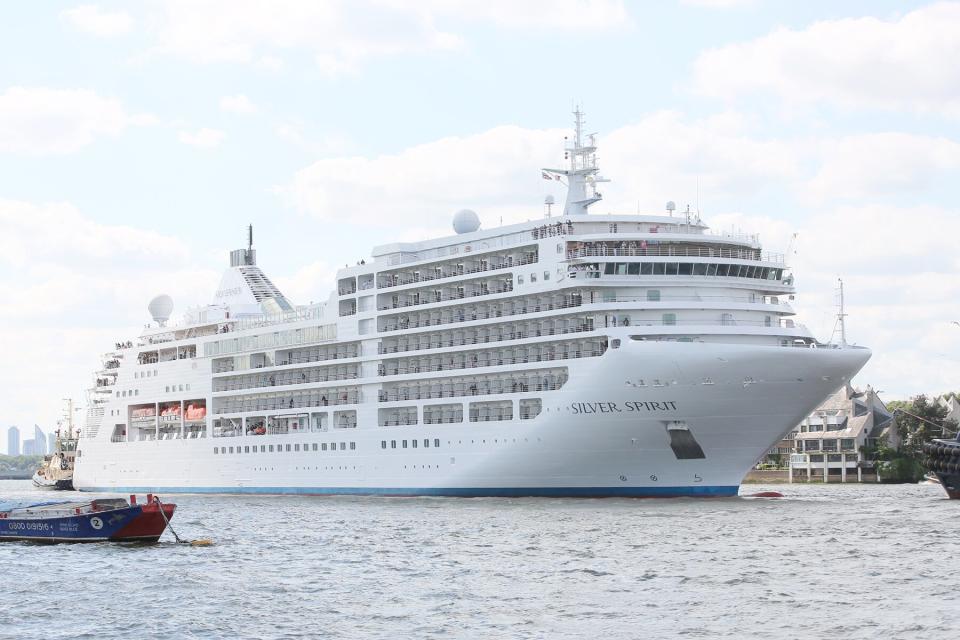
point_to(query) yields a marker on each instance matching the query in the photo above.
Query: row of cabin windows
(533, 277)
(413, 443)
(173, 388)
(149, 373)
(722, 270)
(131, 392)
(269, 448)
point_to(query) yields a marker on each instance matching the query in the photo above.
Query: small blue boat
(101, 520)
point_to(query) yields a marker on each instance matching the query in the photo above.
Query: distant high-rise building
(13, 441)
(51, 442)
(40, 441)
(29, 448)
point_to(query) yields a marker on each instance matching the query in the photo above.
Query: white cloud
(340, 35)
(238, 104)
(898, 265)
(72, 288)
(873, 165)
(495, 172)
(536, 14)
(92, 19)
(43, 121)
(902, 63)
(202, 138)
(719, 4)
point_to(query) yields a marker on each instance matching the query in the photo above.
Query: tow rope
(202, 542)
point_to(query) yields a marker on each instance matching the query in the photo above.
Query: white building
(829, 444)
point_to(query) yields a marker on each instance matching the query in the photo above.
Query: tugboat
(101, 520)
(56, 470)
(943, 459)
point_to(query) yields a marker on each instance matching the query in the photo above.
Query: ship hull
(647, 419)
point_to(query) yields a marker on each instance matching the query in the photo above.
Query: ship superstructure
(577, 354)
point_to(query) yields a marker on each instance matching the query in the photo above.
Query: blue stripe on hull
(471, 492)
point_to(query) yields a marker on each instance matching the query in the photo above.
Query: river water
(853, 561)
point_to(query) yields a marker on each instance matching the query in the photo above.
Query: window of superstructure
(685, 269)
(343, 446)
(383, 444)
(296, 447)
(519, 279)
(288, 447)
(271, 448)
(353, 446)
(393, 444)
(653, 295)
(231, 449)
(700, 269)
(215, 451)
(546, 275)
(404, 444)
(633, 268)
(672, 268)
(670, 318)
(263, 448)
(426, 443)
(533, 278)
(436, 442)
(314, 446)
(413, 443)
(323, 446)
(646, 268)
(659, 268)
(247, 449)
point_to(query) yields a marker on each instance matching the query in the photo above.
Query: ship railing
(456, 317)
(388, 281)
(469, 391)
(447, 420)
(761, 300)
(228, 384)
(487, 339)
(232, 405)
(788, 324)
(496, 417)
(491, 362)
(680, 252)
(455, 295)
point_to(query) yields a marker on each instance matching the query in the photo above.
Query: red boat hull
(148, 526)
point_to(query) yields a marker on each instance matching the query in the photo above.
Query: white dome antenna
(160, 309)
(466, 221)
(548, 202)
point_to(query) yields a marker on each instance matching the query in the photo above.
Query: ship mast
(582, 174)
(841, 317)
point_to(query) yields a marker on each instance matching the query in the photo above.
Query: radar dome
(466, 221)
(160, 308)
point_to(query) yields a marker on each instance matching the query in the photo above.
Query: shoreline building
(37, 446)
(13, 441)
(834, 441)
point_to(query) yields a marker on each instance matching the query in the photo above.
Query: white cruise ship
(574, 355)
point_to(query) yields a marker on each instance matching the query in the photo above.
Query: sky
(137, 141)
